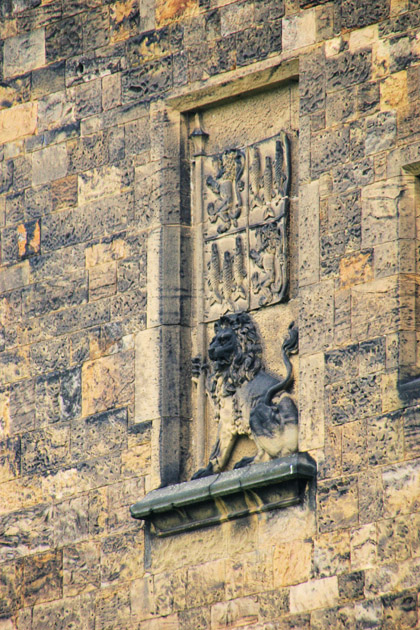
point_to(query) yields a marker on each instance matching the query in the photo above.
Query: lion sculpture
(242, 394)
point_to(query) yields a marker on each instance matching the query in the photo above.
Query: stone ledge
(226, 496)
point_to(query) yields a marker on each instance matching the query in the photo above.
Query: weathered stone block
(354, 13)
(338, 504)
(314, 594)
(311, 402)
(120, 557)
(236, 612)
(401, 488)
(329, 148)
(24, 52)
(363, 547)
(205, 584)
(149, 81)
(81, 568)
(46, 448)
(332, 553)
(42, 577)
(99, 435)
(63, 39)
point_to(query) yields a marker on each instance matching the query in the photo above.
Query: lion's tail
(290, 345)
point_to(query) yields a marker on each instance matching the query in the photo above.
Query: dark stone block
(18, 91)
(142, 431)
(348, 69)
(400, 24)
(96, 28)
(305, 4)
(342, 364)
(86, 153)
(22, 173)
(38, 299)
(22, 406)
(356, 13)
(37, 202)
(15, 208)
(85, 68)
(10, 459)
(43, 577)
(257, 43)
(328, 149)
(45, 448)
(400, 610)
(11, 578)
(368, 97)
(355, 399)
(154, 44)
(39, 17)
(351, 585)
(48, 80)
(6, 176)
(147, 82)
(76, 318)
(312, 83)
(100, 434)
(63, 39)
(412, 432)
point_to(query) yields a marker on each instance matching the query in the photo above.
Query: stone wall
(92, 97)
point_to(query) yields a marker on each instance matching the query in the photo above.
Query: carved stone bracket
(226, 496)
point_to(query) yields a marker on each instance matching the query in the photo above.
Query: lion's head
(235, 353)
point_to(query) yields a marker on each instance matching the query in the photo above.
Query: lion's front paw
(203, 472)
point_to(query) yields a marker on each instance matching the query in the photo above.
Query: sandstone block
(17, 122)
(234, 613)
(248, 574)
(299, 30)
(370, 496)
(24, 52)
(102, 281)
(120, 557)
(81, 568)
(356, 268)
(46, 448)
(99, 183)
(309, 227)
(112, 607)
(107, 382)
(61, 614)
(170, 592)
(311, 402)
(401, 488)
(124, 19)
(316, 317)
(205, 584)
(314, 594)
(363, 547)
(292, 563)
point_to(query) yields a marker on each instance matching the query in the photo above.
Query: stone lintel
(226, 496)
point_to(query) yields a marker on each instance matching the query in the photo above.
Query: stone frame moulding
(164, 348)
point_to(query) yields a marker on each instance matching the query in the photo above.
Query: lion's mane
(245, 363)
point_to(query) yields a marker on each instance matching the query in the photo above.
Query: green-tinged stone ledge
(226, 496)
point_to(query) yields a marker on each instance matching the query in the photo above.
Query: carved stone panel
(245, 194)
(226, 275)
(224, 192)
